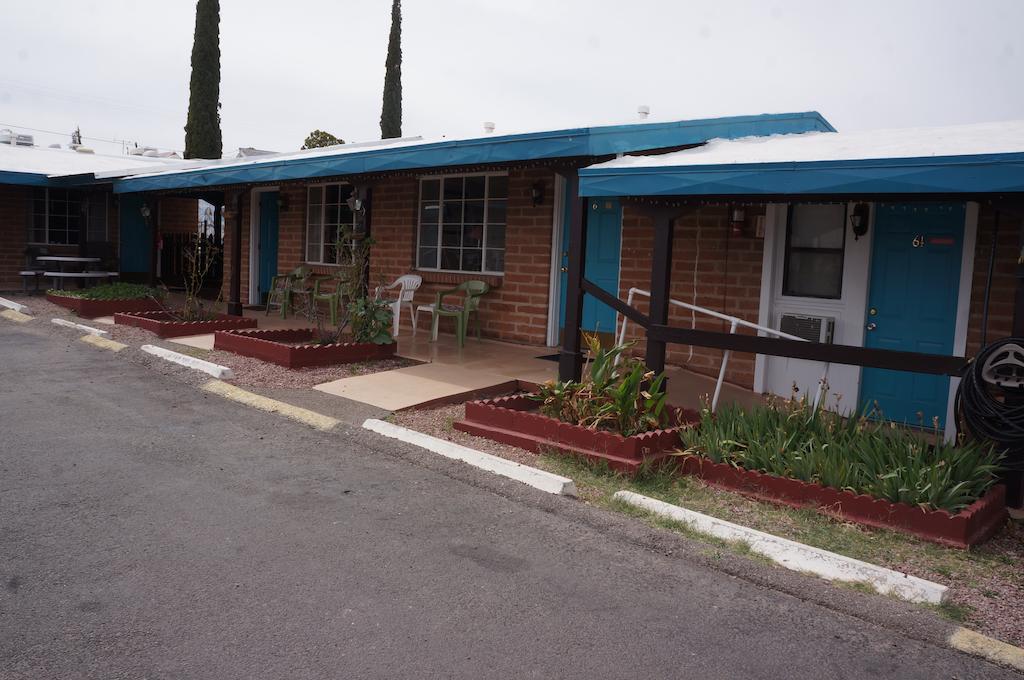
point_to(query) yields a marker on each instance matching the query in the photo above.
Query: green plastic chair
(284, 287)
(331, 297)
(472, 292)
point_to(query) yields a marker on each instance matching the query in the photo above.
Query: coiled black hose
(985, 417)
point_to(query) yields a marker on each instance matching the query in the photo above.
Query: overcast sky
(120, 68)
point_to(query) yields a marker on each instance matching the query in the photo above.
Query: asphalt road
(148, 530)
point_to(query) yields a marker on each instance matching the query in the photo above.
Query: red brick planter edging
(514, 420)
(970, 526)
(165, 325)
(269, 345)
(90, 309)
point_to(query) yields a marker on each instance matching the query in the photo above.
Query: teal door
(912, 300)
(268, 242)
(136, 238)
(604, 243)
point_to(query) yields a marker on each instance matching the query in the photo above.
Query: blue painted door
(136, 238)
(604, 244)
(268, 242)
(912, 300)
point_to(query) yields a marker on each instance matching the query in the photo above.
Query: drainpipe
(234, 306)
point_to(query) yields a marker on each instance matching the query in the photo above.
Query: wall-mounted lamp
(145, 211)
(537, 193)
(859, 218)
(738, 221)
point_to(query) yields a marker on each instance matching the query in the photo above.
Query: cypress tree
(202, 129)
(391, 111)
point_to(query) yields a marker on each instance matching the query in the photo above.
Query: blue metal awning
(968, 174)
(576, 142)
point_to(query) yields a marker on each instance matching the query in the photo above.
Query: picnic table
(61, 275)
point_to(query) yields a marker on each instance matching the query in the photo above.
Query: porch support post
(151, 220)
(1018, 302)
(661, 278)
(570, 361)
(234, 306)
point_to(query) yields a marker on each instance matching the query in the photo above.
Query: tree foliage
(202, 128)
(391, 111)
(320, 138)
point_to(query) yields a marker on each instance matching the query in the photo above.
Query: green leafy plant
(863, 453)
(618, 394)
(371, 320)
(111, 291)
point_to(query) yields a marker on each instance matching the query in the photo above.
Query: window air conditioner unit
(813, 328)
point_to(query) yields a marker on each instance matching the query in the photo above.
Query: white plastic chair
(407, 285)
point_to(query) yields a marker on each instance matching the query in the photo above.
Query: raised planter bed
(166, 325)
(970, 526)
(514, 420)
(90, 309)
(277, 346)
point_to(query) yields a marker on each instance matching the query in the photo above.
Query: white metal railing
(734, 323)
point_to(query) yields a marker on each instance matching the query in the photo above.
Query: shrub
(792, 438)
(371, 320)
(623, 397)
(110, 291)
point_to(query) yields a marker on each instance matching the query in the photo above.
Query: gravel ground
(248, 372)
(988, 594)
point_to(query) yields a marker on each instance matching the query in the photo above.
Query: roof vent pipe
(488, 127)
(643, 110)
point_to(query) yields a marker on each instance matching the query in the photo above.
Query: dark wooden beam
(631, 313)
(570, 360)
(234, 306)
(914, 362)
(661, 283)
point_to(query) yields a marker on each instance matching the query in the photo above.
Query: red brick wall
(516, 309)
(179, 215)
(1004, 281)
(728, 280)
(13, 229)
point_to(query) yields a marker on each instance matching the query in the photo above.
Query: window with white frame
(57, 216)
(815, 243)
(327, 213)
(462, 223)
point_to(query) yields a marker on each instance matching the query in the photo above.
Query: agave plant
(863, 453)
(618, 393)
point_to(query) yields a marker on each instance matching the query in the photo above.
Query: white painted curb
(11, 304)
(539, 479)
(207, 367)
(77, 326)
(797, 556)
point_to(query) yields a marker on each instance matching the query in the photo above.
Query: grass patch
(110, 291)
(997, 560)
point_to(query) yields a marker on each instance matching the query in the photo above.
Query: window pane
(429, 213)
(428, 258)
(475, 186)
(331, 214)
(474, 212)
(495, 260)
(316, 195)
(312, 252)
(814, 274)
(430, 189)
(496, 212)
(471, 260)
(452, 213)
(450, 258)
(497, 186)
(332, 193)
(453, 187)
(495, 236)
(428, 235)
(817, 226)
(473, 236)
(451, 235)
